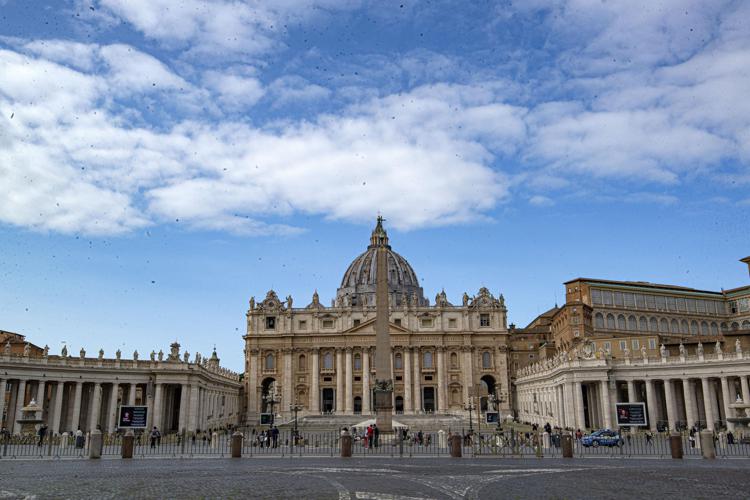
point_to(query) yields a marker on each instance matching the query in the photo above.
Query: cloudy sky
(163, 160)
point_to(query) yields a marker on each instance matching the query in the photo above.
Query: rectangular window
(327, 323)
(618, 299)
(428, 377)
(650, 302)
(357, 379)
(452, 323)
(270, 322)
(356, 322)
(691, 305)
(652, 343)
(701, 306)
(596, 296)
(607, 297)
(681, 304)
(399, 378)
(397, 321)
(671, 303)
(425, 322)
(608, 346)
(636, 344)
(623, 345)
(484, 319)
(629, 300)
(661, 302)
(640, 301)
(302, 325)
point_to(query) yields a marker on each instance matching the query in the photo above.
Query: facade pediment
(369, 327)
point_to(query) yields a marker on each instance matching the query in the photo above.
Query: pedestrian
(548, 428)
(649, 438)
(275, 436)
(375, 435)
(155, 437)
(370, 436)
(420, 437)
(730, 437)
(80, 439)
(41, 433)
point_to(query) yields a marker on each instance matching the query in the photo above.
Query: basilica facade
(319, 358)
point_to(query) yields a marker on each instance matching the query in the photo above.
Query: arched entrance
(399, 404)
(487, 387)
(268, 387)
(428, 399)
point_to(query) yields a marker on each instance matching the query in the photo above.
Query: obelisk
(383, 382)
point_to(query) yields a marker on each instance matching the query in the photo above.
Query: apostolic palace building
(683, 353)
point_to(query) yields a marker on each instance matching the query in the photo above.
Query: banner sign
(133, 417)
(631, 414)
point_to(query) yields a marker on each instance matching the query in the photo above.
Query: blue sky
(162, 161)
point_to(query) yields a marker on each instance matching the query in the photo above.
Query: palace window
(398, 361)
(611, 321)
(694, 327)
(327, 323)
(486, 360)
(652, 343)
(704, 328)
(643, 324)
(661, 302)
(636, 344)
(270, 322)
(270, 362)
(608, 346)
(596, 296)
(302, 363)
(357, 362)
(452, 323)
(454, 360)
(623, 345)
(650, 302)
(484, 319)
(427, 359)
(599, 320)
(632, 323)
(426, 322)
(356, 322)
(621, 322)
(397, 321)
(302, 325)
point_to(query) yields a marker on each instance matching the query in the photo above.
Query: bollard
(346, 445)
(708, 449)
(538, 445)
(567, 445)
(675, 444)
(455, 444)
(95, 444)
(214, 440)
(237, 444)
(128, 440)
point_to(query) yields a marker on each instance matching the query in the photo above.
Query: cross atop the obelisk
(383, 382)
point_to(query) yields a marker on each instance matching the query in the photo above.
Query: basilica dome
(359, 282)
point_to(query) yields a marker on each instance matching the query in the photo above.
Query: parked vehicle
(602, 437)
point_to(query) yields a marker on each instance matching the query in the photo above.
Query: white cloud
(541, 201)
(293, 89)
(233, 90)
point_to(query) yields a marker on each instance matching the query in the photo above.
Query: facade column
(708, 407)
(570, 409)
(606, 407)
(726, 398)
(366, 392)
(408, 409)
(112, 422)
(688, 394)
(252, 388)
(76, 421)
(315, 383)
(3, 384)
(339, 382)
(714, 403)
(40, 397)
(96, 406)
(184, 404)
(631, 392)
(193, 417)
(468, 374)
(348, 378)
(578, 395)
(157, 417)
(442, 405)
(671, 406)
(651, 403)
(287, 390)
(131, 394)
(745, 389)
(417, 382)
(20, 403)
(57, 411)
(563, 418)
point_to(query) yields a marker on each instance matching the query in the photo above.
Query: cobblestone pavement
(374, 478)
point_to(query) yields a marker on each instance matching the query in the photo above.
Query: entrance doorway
(328, 400)
(399, 404)
(428, 398)
(357, 405)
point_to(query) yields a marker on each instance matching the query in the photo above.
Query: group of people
(268, 438)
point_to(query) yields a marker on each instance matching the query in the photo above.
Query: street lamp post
(470, 407)
(272, 399)
(294, 408)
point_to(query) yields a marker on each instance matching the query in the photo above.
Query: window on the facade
(328, 361)
(623, 345)
(302, 363)
(607, 297)
(650, 302)
(618, 299)
(694, 327)
(427, 359)
(452, 323)
(652, 343)
(640, 300)
(714, 328)
(426, 322)
(684, 327)
(599, 320)
(691, 305)
(596, 296)
(661, 302)
(270, 362)
(356, 322)
(270, 322)
(484, 319)
(486, 360)
(357, 362)
(681, 304)
(398, 361)
(632, 323)
(454, 360)
(636, 344)
(629, 300)
(653, 325)
(701, 306)
(611, 321)
(671, 304)
(608, 346)
(643, 324)
(674, 326)
(664, 325)
(327, 323)
(704, 328)
(621, 322)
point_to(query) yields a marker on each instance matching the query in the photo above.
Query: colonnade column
(131, 394)
(57, 415)
(407, 381)
(348, 378)
(287, 390)
(670, 400)
(339, 382)
(606, 408)
(112, 422)
(745, 389)
(156, 418)
(315, 383)
(3, 384)
(20, 403)
(651, 403)
(727, 401)
(578, 395)
(442, 405)
(417, 382)
(193, 417)
(40, 396)
(184, 404)
(707, 395)
(366, 393)
(468, 375)
(688, 394)
(96, 406)
(76, 421)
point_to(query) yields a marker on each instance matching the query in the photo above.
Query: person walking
(155, 437)
(42, 432)
(376, 435)
(370, 432)
(80, 439)
(275, 436)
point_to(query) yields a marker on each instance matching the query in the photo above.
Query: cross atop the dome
(379, 236)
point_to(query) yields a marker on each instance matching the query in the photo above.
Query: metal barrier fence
(47, 447)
